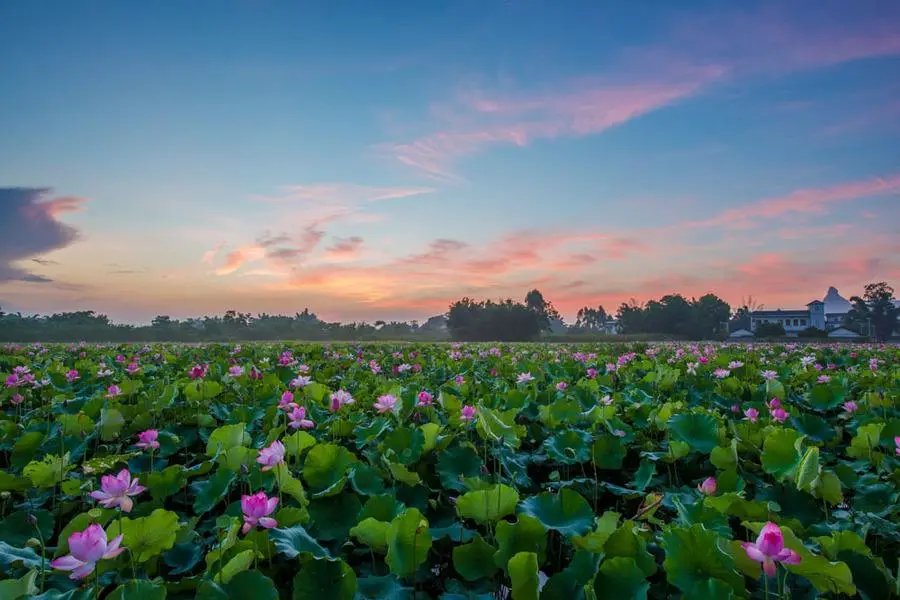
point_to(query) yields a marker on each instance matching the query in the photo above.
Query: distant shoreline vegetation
(671, 317)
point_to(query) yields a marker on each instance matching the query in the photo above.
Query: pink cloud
(345, 248)
(804, 201)
(579, 108)
(344, 194)
(235, 259)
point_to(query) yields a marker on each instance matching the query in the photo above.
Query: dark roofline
(814, 302)
(773, 313)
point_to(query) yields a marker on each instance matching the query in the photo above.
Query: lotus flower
(467, 414)
(72, 375)
(424, 399)
(524, 378)
(591, 373)
(287, 399)
(897, 444)
(271, 455)
(301, 381)
(113, 391)
(562, 386)
(147, 439)
(298, 418)
(850, 406)
(340, 398)
(708, 486)
(752, 414)
(86, 548)
(236, 370)
(386, 403)
(257, 509)
(769, 375)
(198, 371)
(779, 415)
(117, 491)
(769, 549)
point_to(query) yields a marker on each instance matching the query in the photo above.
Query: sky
(378, 160)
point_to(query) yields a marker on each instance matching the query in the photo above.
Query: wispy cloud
(804, 201)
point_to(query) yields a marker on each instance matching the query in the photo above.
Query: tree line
(675, 316)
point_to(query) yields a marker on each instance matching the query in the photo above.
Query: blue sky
(378, 160)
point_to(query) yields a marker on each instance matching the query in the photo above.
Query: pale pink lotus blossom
(256, 509)
(235, 370)
(287, 399)
(386, 403)
(301, 381)
(467, 414)
(298, 418)
(611, 367)
(340, 398)
(271, 455)
(113, 391)
(721, 373)
(769, 375)
(132, 368)
(562, 386)
(117, 491)
(823, 379)
(524, 378)
(13, 380)
(774, 403)
(86, 549)
(873, 364)
(692, 368)
(606, 400)
(850, 406)
(459, 380)
(147, 440)
(72, 376)
(769, 549)
(591, 373)
(424, 398)
(751, 414)
(708, 486)
(17, 399)
(897, 444)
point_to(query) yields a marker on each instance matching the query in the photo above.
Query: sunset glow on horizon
(378, 162)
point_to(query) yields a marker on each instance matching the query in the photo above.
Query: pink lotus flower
(12, 381)
(774, 403)
(873, 364)
(236, 370)
(708, 486)
(340, 398)
(751, 414)
(823, 379)
(721, 373)
(287, 398)
(298, 418)
(591, 373)
(467, 414)
(271, 455)
(257, 509)
(735, 364)
(132, 368)
(769, 549)
(850, 406)
(424, 399)
(386, 403)
(72, 376)
(198, 371)
(86, 549)
(459, 380)
(562, 386)
(607, 400)
(301, 381)
(113, 391)
(117, 491)
(147, 440)
(769, 375)
(524, 378)
(897, 444)
(692, 368)
(779, 415)
(17, 399)
(255, 374)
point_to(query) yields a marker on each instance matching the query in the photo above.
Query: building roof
(814, 302)
(780, 313)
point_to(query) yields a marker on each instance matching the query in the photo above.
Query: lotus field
(316, 472)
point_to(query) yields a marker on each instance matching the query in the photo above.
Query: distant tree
(535, 301)
(710, 316)
(769, 330)
(876, 309)
(590, 319)
(506, 320)
(813, 332)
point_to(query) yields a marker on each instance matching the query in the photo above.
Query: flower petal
(66, 563)
(753, 552)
